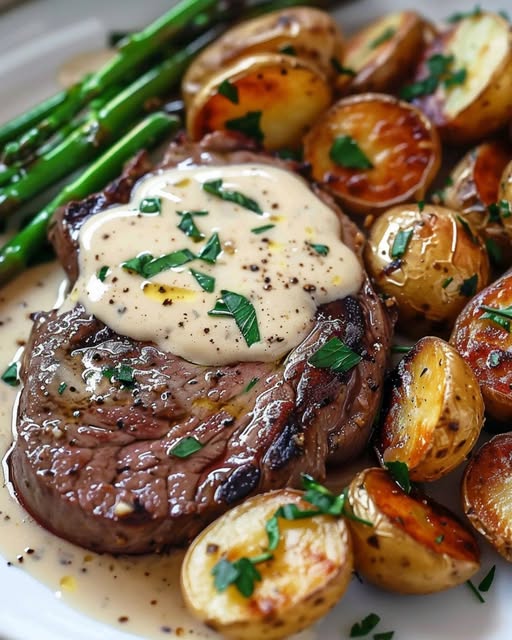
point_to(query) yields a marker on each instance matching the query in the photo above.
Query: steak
(92, 456)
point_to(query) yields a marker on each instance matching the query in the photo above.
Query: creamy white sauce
(279, 271)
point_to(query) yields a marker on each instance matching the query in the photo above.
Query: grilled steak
(92, 460)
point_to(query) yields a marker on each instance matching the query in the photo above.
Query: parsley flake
(345, 152)
(475, 591)
(288, 50)
(486, 583)
(439, 539)
(500, 316)
(339, 68)
(147, 266)
(206, 282)
(102, 273)
(249, 125)
(468, 286)
(363, 628)
(11, 375)
(211, 250)
(386, 35)
(447, 282)
(189, 227)
(336, 356)
(399, 471)
(439, 68)
(421, 205)
(122, 373)
(150, 205)
(460, 15)
(241, 573)
(401, 242)
(265, 227)
(251, 384)
(229, 91)
(321, 249)
(385, 635)
(185, 447)
(499, 210)
(62, 387)
(215, 188)
(243, 313)
(467, 229)
(193, 212)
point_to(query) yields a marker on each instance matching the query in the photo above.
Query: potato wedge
(484, 340)
(473, 95)
(505, 203)
(309, 572)
(473, 190)
(382, 54)
(434, 413)
(487, 493)
(308, 33)
(272, 98)
(400, 144)
(414, 545)
(431, 261)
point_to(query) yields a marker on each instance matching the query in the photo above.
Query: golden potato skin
(435, 411)
(487, 493)
(393, 135)
(431, 280)
(289, 93)
(382, 67)
(311, 569)
(313, 35)
(474, 186)
(486, 347)
(482, 104)
(414, 546)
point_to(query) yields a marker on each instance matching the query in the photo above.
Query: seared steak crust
(93, 458)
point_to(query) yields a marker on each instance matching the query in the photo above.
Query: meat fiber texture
(92, 464)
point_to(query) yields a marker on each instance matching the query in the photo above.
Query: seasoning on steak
(94, 460)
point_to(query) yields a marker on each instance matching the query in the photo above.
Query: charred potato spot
(309, 572)
(441, 264)
(486, 346)
(487, 493)
(414, 545)
(288, 93)
(400, 143)
(435, 411)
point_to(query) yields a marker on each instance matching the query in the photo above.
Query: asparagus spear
(15, 255)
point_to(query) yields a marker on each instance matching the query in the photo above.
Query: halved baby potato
(309, 572)
(474, 95)
(305, 32)
(434, 412)
(382, 55)
(400, 145)
(411, 545)
(270, 97)
(487, 493)
(482, 335)
(473, 190)
(430, 260)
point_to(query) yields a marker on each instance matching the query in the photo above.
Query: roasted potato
(383, 53)
(308, 33)
(411, 545)
(473, 189)
(309, 572)
(487, 493)
(505, 203)
(270, 97)
(400, 152)
(464, 84)
(431, 261)
(482, 337)
(434, 412)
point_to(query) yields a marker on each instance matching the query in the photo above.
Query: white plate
(35, 38)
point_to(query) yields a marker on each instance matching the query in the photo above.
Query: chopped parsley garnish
(102, 273)
(150, 205)
(243, 312)
(494, 359)
(501, 316)
(265, 227)
(400, 243)
(321, 249)
(147, 266)
(363, 628)
(439, 67)
(467, 229)
(288, 50)
(499, 210)
(399, 471)
(339, 68)
(241, 573)
(460, 15)
(185, 447)
(229, 91)
(10, 375)
(400, 348)
(206, 282)
(62, 387)
(345, 152)
(486, 583)
(251, 384)
(215, 188)
(193, 212)
(421, 205)
(290, 154)
(475, 591)
(468, 286)
(249, 125)
(439, 539)
(189, 227)
(386, 35)
(336, 356)
(211, 250)
(122, 373)
(385, 635)
(447, 282)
